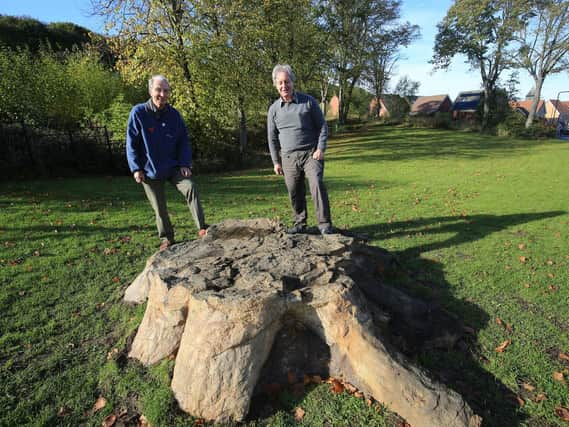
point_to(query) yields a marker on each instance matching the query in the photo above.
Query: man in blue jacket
(158, 150)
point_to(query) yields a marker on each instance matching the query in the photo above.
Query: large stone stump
(218, 303)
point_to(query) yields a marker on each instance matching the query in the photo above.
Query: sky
(414, 62)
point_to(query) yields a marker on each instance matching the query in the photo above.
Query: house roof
(428, 104)
(525, 105)
(562, 106)
(468, 101)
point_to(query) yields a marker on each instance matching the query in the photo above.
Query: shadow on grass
(459, 367)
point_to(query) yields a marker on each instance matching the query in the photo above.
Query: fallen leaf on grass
(521, 402)
(528, 387)
(540, 398)
(564, 356)
(558, 376)
(355, 208)
(521, 246)
(99, 404)
(109, 420)
(506, 326)
(111, 354)
(503, 346)
(299, 414)
(358, 394)
(562, 413)
(116, 279)
(63, 411)
(198, 422)
(523, 259)
(369, 402)
(550, 275)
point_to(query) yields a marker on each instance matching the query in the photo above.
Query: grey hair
(157, 77)
(283, 68)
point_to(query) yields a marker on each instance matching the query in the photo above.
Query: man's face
(284, 85)
(160, 93)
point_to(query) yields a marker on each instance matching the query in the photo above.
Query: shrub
(441, 120)
(514, 125)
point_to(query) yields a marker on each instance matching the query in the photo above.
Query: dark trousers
(154, 189)
(297, 166)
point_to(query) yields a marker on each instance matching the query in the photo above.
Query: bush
(514, 125)
(439, 121)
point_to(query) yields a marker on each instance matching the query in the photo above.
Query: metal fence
(30, 151)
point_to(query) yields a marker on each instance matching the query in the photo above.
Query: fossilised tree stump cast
(219, 302)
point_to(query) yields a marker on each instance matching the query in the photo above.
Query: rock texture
(218, 304)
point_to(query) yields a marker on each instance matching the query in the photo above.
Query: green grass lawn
(480, 222)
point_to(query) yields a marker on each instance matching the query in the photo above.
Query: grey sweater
(296, 125)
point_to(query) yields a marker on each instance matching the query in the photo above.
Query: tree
(543, 45)
(218, 54)
(406, 87)
(23, 32)
(481, 30)
(353, 26)
(383, 56)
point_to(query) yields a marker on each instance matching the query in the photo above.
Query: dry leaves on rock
(312, 379)
(337, 386)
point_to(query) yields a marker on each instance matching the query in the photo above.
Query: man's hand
(139, 177)
(279, 169)
(318, 155)
(186, 172)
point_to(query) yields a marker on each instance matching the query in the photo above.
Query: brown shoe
(165, 244)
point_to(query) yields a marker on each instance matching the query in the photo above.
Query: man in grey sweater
(296, 127)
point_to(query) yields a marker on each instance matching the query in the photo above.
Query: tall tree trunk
(486, 105)
(537, 94)
(242, 125)
(324, 95)
(342, 114)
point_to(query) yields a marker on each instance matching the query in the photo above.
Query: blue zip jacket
(157, 142)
